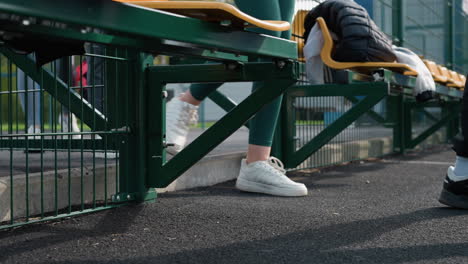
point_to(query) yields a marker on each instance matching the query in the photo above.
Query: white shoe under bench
(268, 177)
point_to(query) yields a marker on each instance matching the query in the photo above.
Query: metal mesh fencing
(364, 138)
(55, 163)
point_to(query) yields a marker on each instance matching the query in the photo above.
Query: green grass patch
(47, 127)
(309, 122)
(298, 123)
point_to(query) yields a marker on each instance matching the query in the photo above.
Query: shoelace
(183, 114)
(277, 164)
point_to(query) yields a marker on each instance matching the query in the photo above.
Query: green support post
(450, 34)
(452, 110)
(133, 167)
(395, 112)
(407, 124)
(398, 15)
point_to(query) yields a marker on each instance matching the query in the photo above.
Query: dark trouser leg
(460, 143)
(95, 76)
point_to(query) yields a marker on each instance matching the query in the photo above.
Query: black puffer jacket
(359, 38)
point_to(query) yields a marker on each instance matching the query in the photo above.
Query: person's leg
(262, 9)
(455, 188)
(262, 129)
(181, 112)
(263, 124)
(95, 76)
(460, 143)
(287, 9)
(259, 172)
(63, 68)
(199, 91)
(33, 108)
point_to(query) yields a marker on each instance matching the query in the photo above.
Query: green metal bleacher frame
(143, 164)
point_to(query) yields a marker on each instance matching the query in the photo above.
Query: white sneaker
(63, 121)
(74, 124)
(268, 177)
(180, 115)
(34, 130)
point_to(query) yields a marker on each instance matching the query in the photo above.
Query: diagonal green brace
(372, 114)
(59, 90)
(449, 116)
(276, 80)
(224, 102)
(372, 96)
(221, 130)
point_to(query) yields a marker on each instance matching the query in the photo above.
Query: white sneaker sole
(256, 187)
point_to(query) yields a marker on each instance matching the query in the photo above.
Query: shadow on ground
(328, 244)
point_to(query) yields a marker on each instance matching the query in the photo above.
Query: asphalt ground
(380, 211)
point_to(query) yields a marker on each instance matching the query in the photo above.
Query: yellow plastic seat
(445, 72)
(211, 11)
(297, 32)
(365, 67)
(463, 79)
(436, 74)
(457, 81)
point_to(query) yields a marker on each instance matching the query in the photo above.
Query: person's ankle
(188, 98)
(248, 161)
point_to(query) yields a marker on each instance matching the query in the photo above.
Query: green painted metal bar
(277, 79)
(394, 110)
(374, 92)
(372, 114)
(289, 127)
(221, 130)
(429, 115)
(226, 103)
(57, 89)
(51, 144)
(154, 45)
(398, 25)
(449, 116)
(406, 125)
(450, 31)
(133, 166)
(448, 91)
(156, 131)
(228, 72)
(141, 23)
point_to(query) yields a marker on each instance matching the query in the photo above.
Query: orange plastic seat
(326, 55)
(297, 32)
(435, 72)
(457, 81)
(211, 11)
(445, 72)
(463, 79)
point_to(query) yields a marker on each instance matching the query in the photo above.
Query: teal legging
(262, 125)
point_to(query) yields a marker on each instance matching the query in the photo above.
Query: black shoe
(454, 193)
